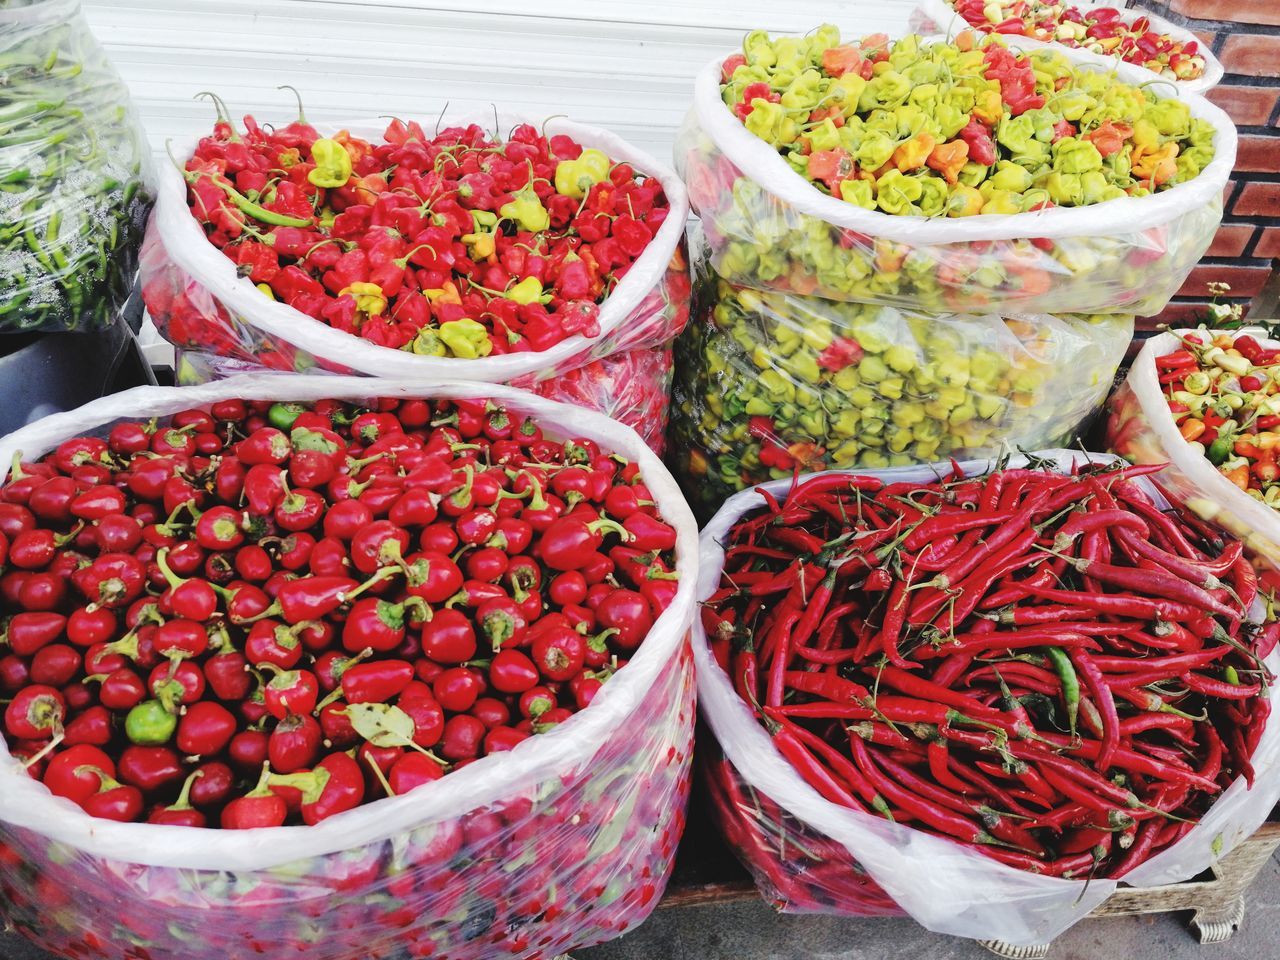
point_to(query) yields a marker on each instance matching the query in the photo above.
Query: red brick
(1249, 106)
(1242, 11)
(1244, 281)
(1230, 240)
(1252, 55)
(1258, 200)
(1206, 38)
(1268, 244)
(1259, 153)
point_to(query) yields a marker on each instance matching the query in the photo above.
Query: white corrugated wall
(624, 64)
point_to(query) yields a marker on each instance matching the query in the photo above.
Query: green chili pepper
(149, 724)
(1066, 672)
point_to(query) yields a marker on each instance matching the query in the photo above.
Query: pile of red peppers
(266, 613)
(455, 245)
(1047, 668)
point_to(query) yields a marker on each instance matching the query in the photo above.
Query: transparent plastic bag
(1140, 428)
(771, 229)
(765, 381)
(939, 883)
(74, 174)
(201, 306)
(632, 386)
(939, 16)
(565, 841)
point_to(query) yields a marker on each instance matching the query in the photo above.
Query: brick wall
(1245, 36)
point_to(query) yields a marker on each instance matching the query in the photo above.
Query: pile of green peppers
(768, 382)
(73, 178)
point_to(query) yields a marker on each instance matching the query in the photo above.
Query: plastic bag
(74, 174)
(939, 16)
(632, 387)
(201, 305)
(1140, 428)
(766, 381)
(944, 886)
(770, 228)
(565, 841)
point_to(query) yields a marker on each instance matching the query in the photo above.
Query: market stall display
(952, 176)
(391, 251)
(769, 382)
(74, 172)
(1201, 402)
(985, 684)
(474, 587)
(1135, 36)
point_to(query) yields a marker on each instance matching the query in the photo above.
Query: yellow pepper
(446, 294)
(528, 290)
(526, 209)
(988, 107)
(575, 177)
(965, 201)
(266, 291)
(332, 164)
(466, 338)
(369, 297)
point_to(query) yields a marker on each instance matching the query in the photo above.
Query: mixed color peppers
(944, 131)
(768, 383)
(1223, 393)
(1102, 30)
(1047, 668)
(452, 245)
(959, 128)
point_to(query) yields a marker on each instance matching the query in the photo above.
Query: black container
(47, 373)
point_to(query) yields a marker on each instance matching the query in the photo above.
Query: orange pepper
(1247, 448)
(1191, 428)
(368, 188)
(1109, 137)
(913, 154)
(1239, 476)
(948, 158)
(801, 282)
(826, 165)
(1266, 470)
(1158, 166)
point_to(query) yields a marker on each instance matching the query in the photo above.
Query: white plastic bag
(939, 16)
(1140, 428)
(767, 380)
(202, 306)
(944, 886)
(565, 841)
(769, 228)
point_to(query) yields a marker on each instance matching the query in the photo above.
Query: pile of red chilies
(267, 613)
(1048, 668)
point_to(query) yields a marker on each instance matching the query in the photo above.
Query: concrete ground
(752, 931)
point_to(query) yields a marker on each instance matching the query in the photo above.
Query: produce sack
(767, 382)
(941, 16)
(769, 227)
(565, 841)
(809, 854)
(202, 305)
(1140, 428)
(74, 174)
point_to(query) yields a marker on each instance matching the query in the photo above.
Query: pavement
(752, 931)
